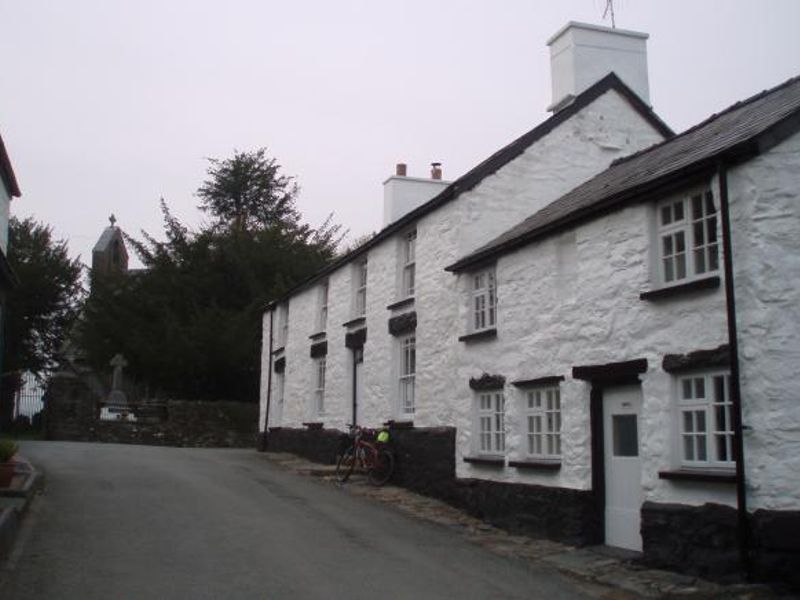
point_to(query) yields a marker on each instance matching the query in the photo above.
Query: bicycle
(372, 457)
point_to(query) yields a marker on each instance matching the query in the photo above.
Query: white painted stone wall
(554, 316)
(765, 202)
(575, 150)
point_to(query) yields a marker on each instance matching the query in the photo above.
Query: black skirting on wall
(425, 463)
(701, 540)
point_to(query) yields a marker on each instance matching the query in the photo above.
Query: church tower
(109, 254)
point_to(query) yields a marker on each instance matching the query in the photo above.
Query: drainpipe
(355, 387)
(736, 397)
(269, 385)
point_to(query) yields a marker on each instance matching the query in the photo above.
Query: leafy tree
(248, 192)
(40, 312)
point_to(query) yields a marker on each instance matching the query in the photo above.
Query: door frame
(600, 377)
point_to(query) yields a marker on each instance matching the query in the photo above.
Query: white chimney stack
(582, 54)
(402, 194)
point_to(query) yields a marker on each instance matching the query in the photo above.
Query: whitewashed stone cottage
(582, 374)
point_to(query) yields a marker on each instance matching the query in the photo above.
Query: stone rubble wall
(71, 410)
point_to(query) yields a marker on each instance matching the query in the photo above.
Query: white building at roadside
(560, 336)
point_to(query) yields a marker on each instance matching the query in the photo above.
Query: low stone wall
(71, 414)
(425, 463)
(319, 445)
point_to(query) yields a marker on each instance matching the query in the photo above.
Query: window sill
(536, 465)
(698, 475)
(278, 350)
(317, 336)
(313, 426)
(399, 424)
(354, 322)
(484, 334)
(401, 303)
(486, 461)
(707, 283)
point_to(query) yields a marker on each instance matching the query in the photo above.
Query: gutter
(736, 397)
(269, 386)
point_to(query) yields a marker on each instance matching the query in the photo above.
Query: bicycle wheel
(345, 465)
(382, 467)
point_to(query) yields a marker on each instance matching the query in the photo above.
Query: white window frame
(542, 419)
(688, 243)
(406, 380)
(322, 315)
(490, 428)
(704, 420)
(408, 258)
(360, 288)
(320, 368)
(482, 300)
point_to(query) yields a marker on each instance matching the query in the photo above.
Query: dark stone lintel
(317, 336)
(487, 382)
(699, 359)
(536, 465)
(707, 476)
(485, 334)
(401, 303)
(619, 372)
(355, 339)
(405, 323)
(278, 350)
(488, 461)
(708, 283)
(318, 349)
(549, 380)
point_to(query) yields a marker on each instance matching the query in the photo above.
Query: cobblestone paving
(624, 578)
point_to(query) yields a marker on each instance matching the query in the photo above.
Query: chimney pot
(436, 170)
(401, 169)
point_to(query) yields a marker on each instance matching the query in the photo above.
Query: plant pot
(6, 474)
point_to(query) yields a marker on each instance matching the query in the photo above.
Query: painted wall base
(702, 540)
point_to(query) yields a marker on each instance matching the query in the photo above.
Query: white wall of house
(575, 150)
(573, 299)
(765, 206)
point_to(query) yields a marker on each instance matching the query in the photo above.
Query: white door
(622, 409)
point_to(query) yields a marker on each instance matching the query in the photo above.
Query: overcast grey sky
(107, 105)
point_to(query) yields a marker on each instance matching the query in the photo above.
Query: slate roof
(105, 239)
(7, 173)
(490, 166)
(739, 132)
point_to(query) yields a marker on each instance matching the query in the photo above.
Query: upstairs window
(323, 307)
(543, 421)
(408, 261)
(483, 312)
(687, 237)
(361, 288)
(491, 427)
(706, 427)
(408, 369)
(283, 325)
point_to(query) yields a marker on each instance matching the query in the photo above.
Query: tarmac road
(130, 522)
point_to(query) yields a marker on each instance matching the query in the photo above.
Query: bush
(7, 450)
